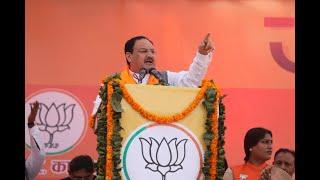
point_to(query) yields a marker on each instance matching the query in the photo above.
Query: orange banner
(72, 45)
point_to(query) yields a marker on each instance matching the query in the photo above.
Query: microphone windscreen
(142, 74)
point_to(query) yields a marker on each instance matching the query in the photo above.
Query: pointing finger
(206, 39)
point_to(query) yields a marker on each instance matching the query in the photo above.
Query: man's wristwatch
(30, 125)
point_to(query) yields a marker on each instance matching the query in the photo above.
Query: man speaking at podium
(141, 60)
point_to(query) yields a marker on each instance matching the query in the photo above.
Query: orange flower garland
(158, 119)
(163, 119)
(91, 121)
(109, 127)
(214, 145)
(215, 140)
(170, 119)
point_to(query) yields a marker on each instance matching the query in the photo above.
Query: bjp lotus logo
(55, 119)
(61, 119)
(163, 157)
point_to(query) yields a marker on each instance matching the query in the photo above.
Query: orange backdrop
(72, 44)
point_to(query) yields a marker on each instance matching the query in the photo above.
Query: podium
(159, 132)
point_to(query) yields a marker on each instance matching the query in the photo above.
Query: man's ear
(128, 57)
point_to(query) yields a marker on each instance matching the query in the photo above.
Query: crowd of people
(258, 150)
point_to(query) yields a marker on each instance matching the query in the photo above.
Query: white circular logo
(61, 119)
(162, 152)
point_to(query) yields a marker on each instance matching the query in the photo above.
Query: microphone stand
(142, 74)
(157, 74)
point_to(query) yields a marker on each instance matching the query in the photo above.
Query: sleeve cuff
(204, 59)
(34, 131)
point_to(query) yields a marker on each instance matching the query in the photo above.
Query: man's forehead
(143, 43)
(285, 155)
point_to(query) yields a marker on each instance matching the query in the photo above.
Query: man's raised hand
(34, 109)
(206, 45)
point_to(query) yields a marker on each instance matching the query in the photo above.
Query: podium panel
(159, 132)
(162, 151)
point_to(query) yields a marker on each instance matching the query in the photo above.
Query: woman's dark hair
(81, 162)
(252, 137)
(128, 47)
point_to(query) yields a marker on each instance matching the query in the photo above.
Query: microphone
(142, 74)
(156, 73)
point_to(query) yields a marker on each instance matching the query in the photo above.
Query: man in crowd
(81, 167)
(35, 160)
(285, 159)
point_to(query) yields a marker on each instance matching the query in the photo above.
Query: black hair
(284, 150)
(128, 47)
(252, 137)
(81, 162)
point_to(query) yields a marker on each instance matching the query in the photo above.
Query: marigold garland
(213, 158)
(215, 139)
(109, 163)
(91, 121)
(163, 119)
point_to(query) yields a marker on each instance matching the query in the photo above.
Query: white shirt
(191, 78)
(35, 160)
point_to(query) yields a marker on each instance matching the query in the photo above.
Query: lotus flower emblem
(163, 157)
(55, 118)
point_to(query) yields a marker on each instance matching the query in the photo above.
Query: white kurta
(35, 160)
(191, 78)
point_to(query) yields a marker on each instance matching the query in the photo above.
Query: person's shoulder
(237, 166)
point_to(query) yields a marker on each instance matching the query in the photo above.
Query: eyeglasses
(145, 51)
